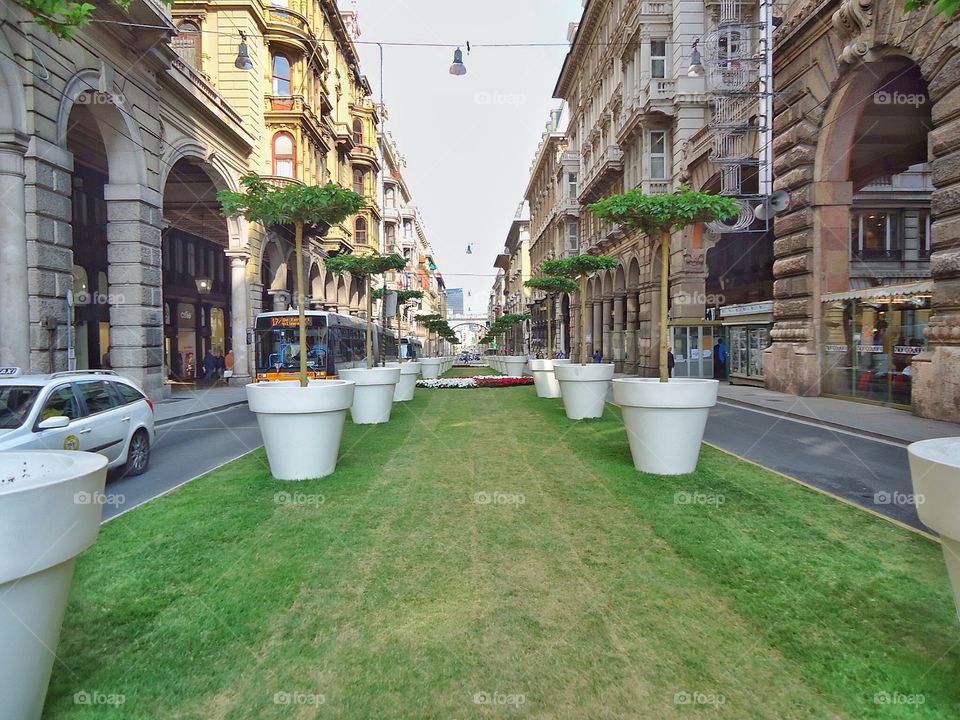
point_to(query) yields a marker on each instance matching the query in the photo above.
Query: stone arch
(633, 273)
(119, 130)
(343, 296)
(330, 289)
(619, 281)
(316, 283)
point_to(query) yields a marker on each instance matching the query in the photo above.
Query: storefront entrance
(869, 340)
(693, 350)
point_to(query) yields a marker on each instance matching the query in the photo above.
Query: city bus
(334, 342)
(411, 348)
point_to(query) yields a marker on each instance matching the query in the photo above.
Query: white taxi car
(93, 410)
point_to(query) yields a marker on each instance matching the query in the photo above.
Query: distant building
(455, 301)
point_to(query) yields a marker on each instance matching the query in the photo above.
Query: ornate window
(360, 231)
(357, 132)
(283, 155)
(280, 65)
(359, 181)
(187, 43)
(658, 58)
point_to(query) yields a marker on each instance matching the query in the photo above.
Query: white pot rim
(577, 372)
(287, 397)
(63, 467)
(676, 393)
(945, 450)
(372, 376)
(541, 365)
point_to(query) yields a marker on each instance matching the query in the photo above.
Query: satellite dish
(773, 205)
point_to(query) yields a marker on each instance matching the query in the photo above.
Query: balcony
(206, 88)
(284, 107)
(280, 181)
(568, 206)
(656, 187)
(287, 23)
(365, 155)
(604, 167)
(343, 136)
(657, 7)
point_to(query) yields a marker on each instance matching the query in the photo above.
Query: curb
(813, 420)
(198, 413)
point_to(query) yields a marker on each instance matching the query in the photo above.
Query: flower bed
(460, 383)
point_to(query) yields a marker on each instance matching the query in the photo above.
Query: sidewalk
(197, 401)
(884, 423)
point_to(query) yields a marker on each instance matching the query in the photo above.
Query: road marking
(813, 423)
(179, 485)
(829, 494)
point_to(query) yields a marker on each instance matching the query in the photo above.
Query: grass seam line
(845, 501)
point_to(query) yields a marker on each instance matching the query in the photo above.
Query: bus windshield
(279, 347)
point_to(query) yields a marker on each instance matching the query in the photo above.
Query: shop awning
(923, 287)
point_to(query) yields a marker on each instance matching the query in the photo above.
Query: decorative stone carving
(855, 19)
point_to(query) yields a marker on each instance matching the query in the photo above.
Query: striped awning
(922, 287)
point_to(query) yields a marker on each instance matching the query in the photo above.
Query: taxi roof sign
(10, 372)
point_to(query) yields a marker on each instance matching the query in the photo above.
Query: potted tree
(409, 367)
(543, 375)
(301, 421)
(430, 367)
(583, 385)
(375, 386)
(50, 510)
(665, 417)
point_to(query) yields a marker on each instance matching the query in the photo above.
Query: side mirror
(54, 423)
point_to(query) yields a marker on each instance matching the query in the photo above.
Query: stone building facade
(867, 94)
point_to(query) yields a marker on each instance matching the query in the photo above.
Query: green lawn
(482, 547)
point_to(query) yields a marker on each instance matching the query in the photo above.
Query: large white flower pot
(430, 368)
(513, 365)
(50, 506)
(543, 378)
(301, 427)
(935, 471)
(407, 383)
(373, 397)
(665, 421)
(584, 388)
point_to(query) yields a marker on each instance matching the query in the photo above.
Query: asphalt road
(184, 450)
(864, 470)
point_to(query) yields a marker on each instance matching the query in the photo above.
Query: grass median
(482, 556)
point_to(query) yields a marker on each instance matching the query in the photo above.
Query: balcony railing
(656, 187)
(207, 89)
(656, 7)
(284, 17)
(280, 181)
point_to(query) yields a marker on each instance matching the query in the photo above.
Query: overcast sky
(468, 140)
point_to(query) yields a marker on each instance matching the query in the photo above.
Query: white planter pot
(513, 365)
(430, 368)
(935, 472)
(543, 378)
(584, 388)
(409, 371)
(665, 421)
(50, 507)
(373, 397)
(301, 427)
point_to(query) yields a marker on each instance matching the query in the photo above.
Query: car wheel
(138, 454)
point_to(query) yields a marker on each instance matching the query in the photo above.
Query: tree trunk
(664, 301)
(549, 327)
(583, 319)
(366, 281)
(301, 302)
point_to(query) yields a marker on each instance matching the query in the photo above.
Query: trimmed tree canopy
(578, 265)
(657, 214)
(364, 265)
(402, 295)
(947, 7)
(291, 204)
(552, 284)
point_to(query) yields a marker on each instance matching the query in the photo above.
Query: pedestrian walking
(670, 362)
(597, 356)
(208, 366)
(720, 360)
(227, 367)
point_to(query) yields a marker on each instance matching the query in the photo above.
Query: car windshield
(15, 404)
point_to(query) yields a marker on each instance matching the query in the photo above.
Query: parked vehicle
(92, 410)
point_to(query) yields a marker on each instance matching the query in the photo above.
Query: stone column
(633, 306)
(240, 320)
(597, 329)
(608, 329)
(14, 292)
(618, 349)
(134, 276)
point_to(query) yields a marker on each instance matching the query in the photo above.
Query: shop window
(283, 151)
(876, 235)
(360, 231)
(357, 132)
